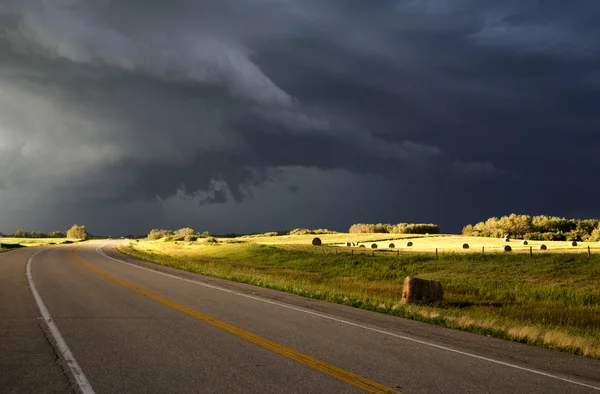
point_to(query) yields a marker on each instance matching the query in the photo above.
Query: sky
(249, 116)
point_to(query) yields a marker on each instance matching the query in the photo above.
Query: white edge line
(62, 347)
(548, 375)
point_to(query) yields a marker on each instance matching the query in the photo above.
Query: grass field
(9, 243)
(551, 299)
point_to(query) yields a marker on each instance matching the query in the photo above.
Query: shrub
(307, 231)
(78, 232)
(158, 234)
(595, 236)
(190, 238)
(183, 233)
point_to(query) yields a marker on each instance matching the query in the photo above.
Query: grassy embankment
(9, 243)
(551, 299)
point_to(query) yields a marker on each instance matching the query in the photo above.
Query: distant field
(9, 243)
(328, 239)
(445, 243)
(551, 299)
(453, 243)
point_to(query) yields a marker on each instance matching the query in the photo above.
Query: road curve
(124, 326)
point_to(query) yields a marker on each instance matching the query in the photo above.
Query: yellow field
(445, 243)
(35, 241)
(327, 239)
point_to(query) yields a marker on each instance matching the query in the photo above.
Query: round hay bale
(362, 246)
(348, 243)
(506, 248)
(542, 247)
(409, 244)
(572, 243)
(316, 242)
(524, 243)
(426, 233)
(465, 246)
(373, 246)
(391, 246)
(506, 238)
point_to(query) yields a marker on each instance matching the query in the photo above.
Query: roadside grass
(551, 299)
(10, 243)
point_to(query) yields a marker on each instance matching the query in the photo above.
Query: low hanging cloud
(128, 105)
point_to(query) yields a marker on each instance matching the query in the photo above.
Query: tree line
(75, 232)
(542, 227)
(400, 228)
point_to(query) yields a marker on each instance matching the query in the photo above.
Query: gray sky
(243, 116)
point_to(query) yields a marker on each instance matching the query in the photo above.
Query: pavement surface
(134, 327)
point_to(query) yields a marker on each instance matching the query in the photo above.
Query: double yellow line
(339, 373)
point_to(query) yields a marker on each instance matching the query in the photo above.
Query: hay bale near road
(348, 243)
(506, 248)
(542, 247)
(316, 242)
(373, 246)
(572, 243)
(362, 246)
(524, 243)
(409, 244)
(465, 246)
(421, 291)
(391, 246)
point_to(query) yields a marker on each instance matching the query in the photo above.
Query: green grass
(551, 299)
(9, 243)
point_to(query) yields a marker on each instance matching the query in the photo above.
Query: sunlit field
(9, 243)
(550, 298)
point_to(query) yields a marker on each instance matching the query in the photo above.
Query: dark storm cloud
(485, 107)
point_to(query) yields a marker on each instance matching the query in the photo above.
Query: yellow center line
(339, 373)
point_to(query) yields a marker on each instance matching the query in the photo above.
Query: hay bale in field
(506, 248)
(506, 238)
(391, 246)
(421, 291)
(542, 247)
(316, 242)
(572, 243)
(409, 244)
(348, 243)
(524, 243)
(465, 246)
(362, 246)
(373, 246)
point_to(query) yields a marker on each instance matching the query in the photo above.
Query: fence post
(373, 253)
(589, 252)
(483, 250)
(436, 252)
(398, 253)
(531, 251)
(352, 252)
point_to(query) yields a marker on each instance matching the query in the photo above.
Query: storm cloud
(234, 116)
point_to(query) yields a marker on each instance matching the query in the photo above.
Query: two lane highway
(132, 327)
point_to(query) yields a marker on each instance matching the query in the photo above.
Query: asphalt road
(133, 327)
